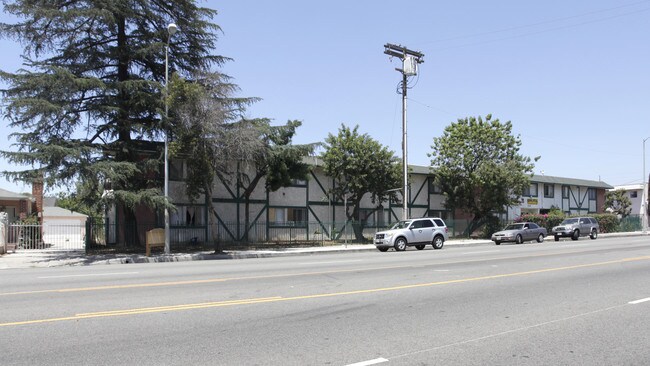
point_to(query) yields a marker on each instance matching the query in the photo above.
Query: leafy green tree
(276, 159)
(87, 103)
(619, 202)
(478, 166)
(360, 165)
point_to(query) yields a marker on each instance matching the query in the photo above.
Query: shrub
(608, 222)
(544, 220)
(492, 224)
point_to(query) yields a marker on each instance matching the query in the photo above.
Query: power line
(531, 25)
(540, 31)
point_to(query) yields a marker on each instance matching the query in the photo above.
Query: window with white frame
(633, 194)
(565, 191)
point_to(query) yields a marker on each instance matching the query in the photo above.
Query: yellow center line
(184, 307)
(284, 275)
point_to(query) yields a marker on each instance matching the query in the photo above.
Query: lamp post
(644, 197)
(171, 29)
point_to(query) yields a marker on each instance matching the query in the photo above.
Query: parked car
(575, 227)
(519, 233)
(414, 232)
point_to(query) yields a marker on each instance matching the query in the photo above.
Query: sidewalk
(44, 258)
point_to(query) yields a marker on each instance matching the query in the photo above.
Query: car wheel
(519, 239)
(382, 249)
(540, 238)
(419, 247)
(557, 238)
(594, 234)
(400, 244)
(438, 242)
(576, 235)
(497, 242)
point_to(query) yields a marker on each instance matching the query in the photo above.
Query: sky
(572, 76)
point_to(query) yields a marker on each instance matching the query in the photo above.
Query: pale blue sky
(572, 76)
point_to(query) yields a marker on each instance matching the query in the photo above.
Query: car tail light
(446, 229)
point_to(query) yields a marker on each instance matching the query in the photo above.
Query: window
(439, 222)
(565, 191)
(298, 183)
(633, 194)
(188, 216)
(288, 216)
(421, 224)
(549, 190)
(176, 169)
(533, 225)
(592, 194)
(531, 191)
(433, 187)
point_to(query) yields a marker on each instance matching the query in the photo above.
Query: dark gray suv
(575, 227)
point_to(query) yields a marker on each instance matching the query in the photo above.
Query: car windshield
(401, 225)
(514, 227)
(569, 221)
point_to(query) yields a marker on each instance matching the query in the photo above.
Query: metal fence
(104, 236)
(50, 237)
(101, 236)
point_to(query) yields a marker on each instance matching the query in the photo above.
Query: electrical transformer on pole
(410, 60)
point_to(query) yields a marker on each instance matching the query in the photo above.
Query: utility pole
(410, 60)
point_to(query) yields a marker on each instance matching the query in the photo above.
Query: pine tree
(88, 103)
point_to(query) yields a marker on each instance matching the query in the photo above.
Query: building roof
(629, 187)
(61, 212)
(569, 181)
(8, 195)
(426, 170)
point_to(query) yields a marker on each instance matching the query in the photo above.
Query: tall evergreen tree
(87, 103)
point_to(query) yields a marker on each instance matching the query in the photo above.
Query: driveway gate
(46, 237)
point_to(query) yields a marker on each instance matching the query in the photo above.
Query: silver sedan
(519, 233)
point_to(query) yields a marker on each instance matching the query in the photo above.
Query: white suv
(415, 232)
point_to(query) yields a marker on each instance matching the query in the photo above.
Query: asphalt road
(566, 303)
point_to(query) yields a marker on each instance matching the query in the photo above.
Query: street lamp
(171, 29)
(644, 197)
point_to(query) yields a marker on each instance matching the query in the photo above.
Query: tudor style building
(304, 211)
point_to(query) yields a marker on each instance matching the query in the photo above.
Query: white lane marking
(369, 362)
(483, 251)
(441, 270)
(334, 262)
(93, 274)
(639, 301)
